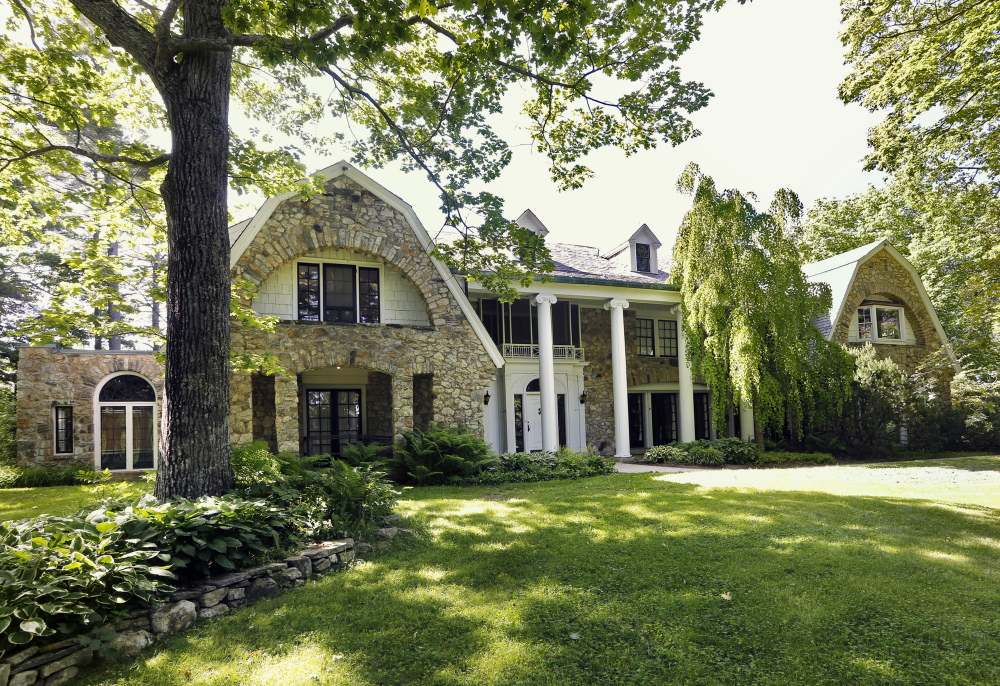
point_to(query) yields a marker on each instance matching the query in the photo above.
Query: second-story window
(668, 337)
(342, 292)
(642, 258)
(644, 337)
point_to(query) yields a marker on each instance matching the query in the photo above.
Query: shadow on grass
(630, 580)
(987, 463)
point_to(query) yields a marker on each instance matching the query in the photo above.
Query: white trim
(343, 168)
(128, 405)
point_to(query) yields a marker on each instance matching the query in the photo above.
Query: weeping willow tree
(748, 309)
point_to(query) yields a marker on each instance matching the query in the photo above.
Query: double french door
(333, 420)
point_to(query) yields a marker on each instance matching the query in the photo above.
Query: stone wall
(60, 663)
(596, 331)
(264, 411)
(378, 405)
(882, 277)
(348, 217)
(47, 376)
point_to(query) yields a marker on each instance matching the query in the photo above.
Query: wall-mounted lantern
(583, 397)
(486, 398)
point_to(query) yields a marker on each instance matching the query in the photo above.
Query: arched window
(126, 416)
(533, 387)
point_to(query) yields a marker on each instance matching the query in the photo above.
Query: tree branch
(95, 156)
(123, 30)
(31, 24)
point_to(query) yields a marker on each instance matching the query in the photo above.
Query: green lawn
(830, 575)
(19, 503)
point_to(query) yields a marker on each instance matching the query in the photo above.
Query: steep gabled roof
(642, 235)
(241, 236)
(840, 271)
(531, 222)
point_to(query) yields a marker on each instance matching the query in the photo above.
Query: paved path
(643, 468)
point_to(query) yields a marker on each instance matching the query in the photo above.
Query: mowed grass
(20, 503)
(840, 575)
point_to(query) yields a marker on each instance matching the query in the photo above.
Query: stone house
(879, 298)
(377, 338)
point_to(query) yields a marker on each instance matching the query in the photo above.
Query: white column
(685, 392)
(547, 373)
(618, 374)
(746, 421)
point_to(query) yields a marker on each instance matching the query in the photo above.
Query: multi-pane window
(642, 259)
(644, 337)
(663, 343)
(668, 337)
(127, 423)
(341, 292)
(880, 323)
(517, 322)
(64, 428)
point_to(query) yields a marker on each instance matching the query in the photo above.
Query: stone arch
(104, 368)
(346, 217)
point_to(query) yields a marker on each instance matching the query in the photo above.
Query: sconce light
(583, 397)
(486, 398)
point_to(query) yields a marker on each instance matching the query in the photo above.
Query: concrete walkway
(627, 468)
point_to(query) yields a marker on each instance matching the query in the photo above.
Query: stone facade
(348, 217)
(595, 327)
(883, 277)
(47, 377)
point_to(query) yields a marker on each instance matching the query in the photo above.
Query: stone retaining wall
(60, 663)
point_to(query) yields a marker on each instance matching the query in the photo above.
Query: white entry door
(532, 422)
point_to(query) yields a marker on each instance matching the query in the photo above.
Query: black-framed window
(668, 337)
(664, 417)
(308, 276)
(64, 428)
(644, 337)
(341, 292)
(517, 322)
(642, 257)
(702, 417)
(368, 295)
(636, 420)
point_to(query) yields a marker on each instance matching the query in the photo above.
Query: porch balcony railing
(530, 350)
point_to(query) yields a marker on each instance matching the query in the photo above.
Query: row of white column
(619, 376)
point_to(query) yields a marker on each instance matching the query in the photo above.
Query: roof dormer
(532, 223)
(638, 253)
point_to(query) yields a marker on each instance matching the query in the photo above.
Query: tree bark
(195, 449)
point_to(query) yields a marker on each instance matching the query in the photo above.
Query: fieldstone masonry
(883, 278)
(347, 216)
(48, 376)
(60, 663)
(596, 331)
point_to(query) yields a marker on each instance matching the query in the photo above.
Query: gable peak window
(880, 321)
(338, 293)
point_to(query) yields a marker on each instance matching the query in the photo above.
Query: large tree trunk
(195, 450)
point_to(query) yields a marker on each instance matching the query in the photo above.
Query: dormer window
(642, 257)
(880, 323)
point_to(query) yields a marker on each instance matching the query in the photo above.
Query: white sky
(774, 122)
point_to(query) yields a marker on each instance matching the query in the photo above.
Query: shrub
(339, 500)
(358, 453)
(783, 457)
(253, 463)
(439, 453)
(68, 575)
(737, 451)
(19, 477)
(671, 453)
(541, 466)
(705, 455)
